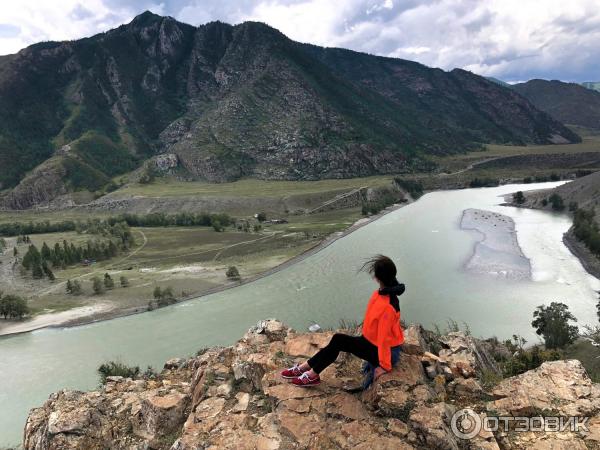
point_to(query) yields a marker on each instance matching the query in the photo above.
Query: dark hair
(383, 268)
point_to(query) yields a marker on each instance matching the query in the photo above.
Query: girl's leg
(357, 345)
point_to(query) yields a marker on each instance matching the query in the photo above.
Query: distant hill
(569, 103)
(226, 102)
(595, 85)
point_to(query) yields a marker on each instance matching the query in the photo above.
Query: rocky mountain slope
(231, 101)
(568, 103)
(233, 398)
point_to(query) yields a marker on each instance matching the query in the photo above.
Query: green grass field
(590, 143)
(248, 187)
(189, 259)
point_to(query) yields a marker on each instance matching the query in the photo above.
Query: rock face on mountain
(233, 398)
(230, 101)
(568, 103)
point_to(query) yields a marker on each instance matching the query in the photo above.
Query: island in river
(498, 253)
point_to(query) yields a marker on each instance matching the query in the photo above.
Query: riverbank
(97, 313)
(53, 319)
(589, 261)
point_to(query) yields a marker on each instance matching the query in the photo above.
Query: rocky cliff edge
(233, 398)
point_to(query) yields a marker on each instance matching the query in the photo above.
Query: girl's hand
(378, 372)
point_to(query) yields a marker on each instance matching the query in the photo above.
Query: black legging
(357, 345)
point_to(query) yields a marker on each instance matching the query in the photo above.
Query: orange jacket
(381, 327)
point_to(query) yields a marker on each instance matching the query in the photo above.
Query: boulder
(307, 344)
(430, 425)
(466, 356)
(243, 398)
(556, 388)
(264, 331)
(249, 371)
(562, 387)
(160, 415)
(74, 421)
(393, 393)
(174, 363)
(414, 340)
(466, 388)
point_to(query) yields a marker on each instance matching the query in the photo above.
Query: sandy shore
(91, 314)
(498, 253)
(53, 319)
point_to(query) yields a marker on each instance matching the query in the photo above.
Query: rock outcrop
(233, 398)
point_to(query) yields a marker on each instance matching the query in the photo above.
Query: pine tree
(31, 258)
(125, 282)
(47, 271)
(46, 253)
(37, 271)
(15, 252)
(108, 281)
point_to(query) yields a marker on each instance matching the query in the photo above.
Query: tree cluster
(586, 230)
(39, 262)
(233, 273)
(484, 182)
(35, 262)
(13, 306)
(162, 297)
(553, 324)
(522, 360)
(557, 202)
(519, 198)
(115, 226)
(183, 219)
(74, 287)
(23, 229)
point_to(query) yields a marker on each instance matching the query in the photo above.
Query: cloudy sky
(509, 39)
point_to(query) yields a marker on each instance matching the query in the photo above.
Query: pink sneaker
(292, 372)
(305, 380)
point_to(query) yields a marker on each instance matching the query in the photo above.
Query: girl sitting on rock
(381, 337)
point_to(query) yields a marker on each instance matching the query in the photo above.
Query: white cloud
(60, 20)
(509, 39)
(504, 38)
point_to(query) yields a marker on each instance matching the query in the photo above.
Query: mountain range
(569, 103)
(226, 102)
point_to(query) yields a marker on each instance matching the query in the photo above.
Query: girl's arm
(383, 347)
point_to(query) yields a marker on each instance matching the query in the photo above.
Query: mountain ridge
(569, 103)
(233, 101)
